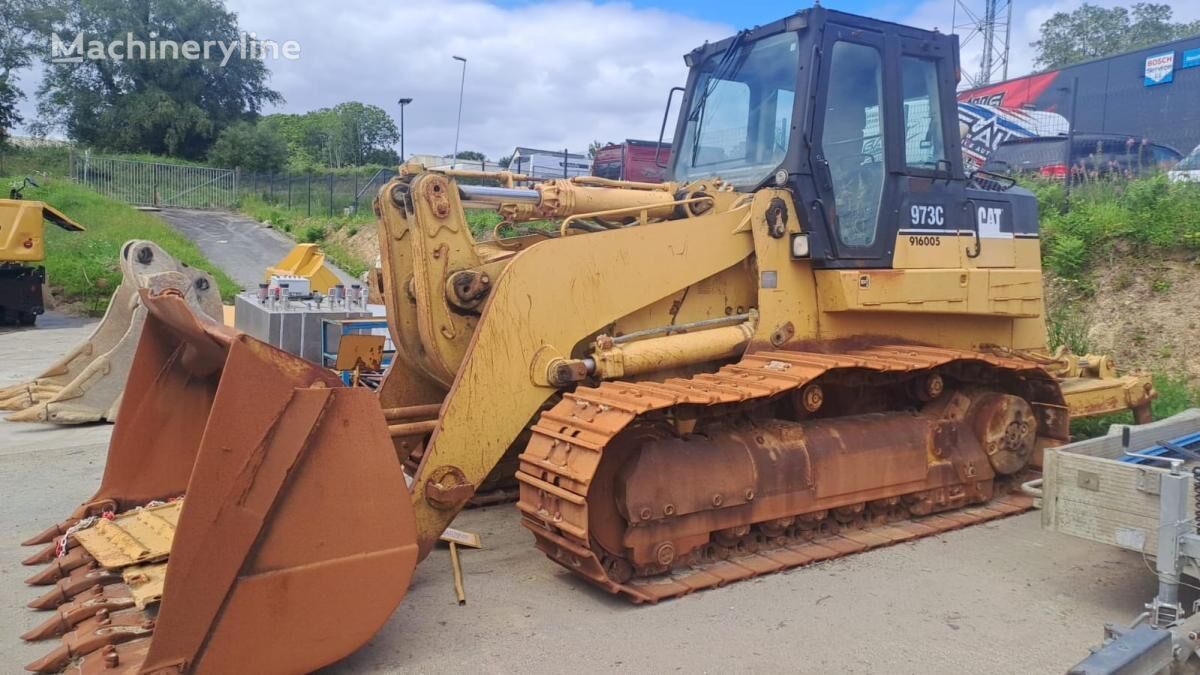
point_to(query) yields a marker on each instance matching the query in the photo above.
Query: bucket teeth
(52, 627)
(95, 633)
(34, 413)
(53, 662)
(45, 555)
(119, 659)
(26, 394)
(112, 597)
(60, 567)
(79, 581)
(47, 535)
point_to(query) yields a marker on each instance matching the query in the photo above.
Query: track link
(559, 464)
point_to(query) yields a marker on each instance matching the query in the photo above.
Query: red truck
(632, 160)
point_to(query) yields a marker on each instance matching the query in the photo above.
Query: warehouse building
(1153, 93)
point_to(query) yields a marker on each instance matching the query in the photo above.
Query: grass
(54, 160)
(82, 267)
(1145, 216)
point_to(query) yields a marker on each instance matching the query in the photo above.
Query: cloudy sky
(553, 74)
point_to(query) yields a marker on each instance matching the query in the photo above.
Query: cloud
(554, 75)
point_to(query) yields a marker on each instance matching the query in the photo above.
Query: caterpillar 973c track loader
(820, 337)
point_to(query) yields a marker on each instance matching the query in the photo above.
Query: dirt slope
(1146, 313)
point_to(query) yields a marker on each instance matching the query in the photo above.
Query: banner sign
(1191, 58)
(1160, 69)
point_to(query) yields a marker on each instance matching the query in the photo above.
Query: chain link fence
(314, 194)
(156, 184)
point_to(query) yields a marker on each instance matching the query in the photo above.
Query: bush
(251, 147)
(1151, 213)
(314, 234)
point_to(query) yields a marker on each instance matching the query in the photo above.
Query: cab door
(931, 215)
(850, 152)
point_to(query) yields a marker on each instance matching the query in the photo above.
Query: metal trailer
(1137, 488)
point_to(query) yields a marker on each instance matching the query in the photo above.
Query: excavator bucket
(85, 385)
(252, 516)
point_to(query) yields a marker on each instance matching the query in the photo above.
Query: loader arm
(547, 300)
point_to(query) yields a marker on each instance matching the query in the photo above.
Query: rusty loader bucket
(252, 516)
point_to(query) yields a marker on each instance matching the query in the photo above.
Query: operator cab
(859, 118)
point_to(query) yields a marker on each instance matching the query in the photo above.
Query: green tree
(171, 106)
(364, 131)
(1092, 32)
(9, 117)
(471, 155)
(252, 147)
(21, 23)
(349, 134)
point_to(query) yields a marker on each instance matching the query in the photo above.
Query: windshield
(740, 117)
(1191, 162)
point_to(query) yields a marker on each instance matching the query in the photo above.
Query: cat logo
(989, 221)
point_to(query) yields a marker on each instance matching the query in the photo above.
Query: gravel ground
(1001, 597)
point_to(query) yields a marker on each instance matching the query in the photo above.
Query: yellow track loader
(819, 337)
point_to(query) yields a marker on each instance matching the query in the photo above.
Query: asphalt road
(1002, 597)
(241, 246)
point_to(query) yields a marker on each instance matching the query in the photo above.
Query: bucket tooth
(45, 555)
(47, 535)
(123, 659)
(53, 662)
(112, 597)
(60, 567)
(52, 627)
(95, 633)
(79, 581)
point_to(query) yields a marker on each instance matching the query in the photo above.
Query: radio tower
(990, 29)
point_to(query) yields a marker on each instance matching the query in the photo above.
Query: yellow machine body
(308, 261)
(22, 229)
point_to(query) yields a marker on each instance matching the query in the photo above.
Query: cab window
(924, 142)
(852, 140)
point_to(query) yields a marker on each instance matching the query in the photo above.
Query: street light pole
(403, 102)
(458, 127)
